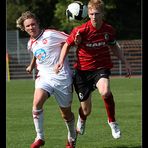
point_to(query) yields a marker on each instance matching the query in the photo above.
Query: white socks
(71, 129)
(38, 123)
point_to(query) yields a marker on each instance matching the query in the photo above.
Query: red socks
(110, 107)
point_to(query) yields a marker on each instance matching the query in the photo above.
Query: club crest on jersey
(40, 54)
(106, 36)
(44, 41)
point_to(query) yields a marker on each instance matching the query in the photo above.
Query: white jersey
(46, 48)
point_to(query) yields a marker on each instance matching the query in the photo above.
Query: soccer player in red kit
(94, 39)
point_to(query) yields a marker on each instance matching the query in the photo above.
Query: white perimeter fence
(18, 57)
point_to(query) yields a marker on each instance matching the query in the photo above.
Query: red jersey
(93, 52)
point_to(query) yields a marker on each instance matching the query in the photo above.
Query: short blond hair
(23, 17)
(97, 4)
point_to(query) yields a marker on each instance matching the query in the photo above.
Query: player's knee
(38, 103)
(36, 106)
(67, 115)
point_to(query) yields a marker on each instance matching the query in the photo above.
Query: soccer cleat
(80, 126)
(115, 129)
(71, 144)
(37, 143)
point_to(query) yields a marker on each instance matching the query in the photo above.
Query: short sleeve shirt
(93, 52)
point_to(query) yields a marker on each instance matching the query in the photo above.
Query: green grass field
(20, 129)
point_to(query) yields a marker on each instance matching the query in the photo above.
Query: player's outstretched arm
(120, 55)
(63, 54)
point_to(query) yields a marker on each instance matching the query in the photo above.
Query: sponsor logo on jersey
(95, 44)
(40, 54)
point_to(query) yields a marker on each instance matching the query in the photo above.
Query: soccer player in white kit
(46, 46)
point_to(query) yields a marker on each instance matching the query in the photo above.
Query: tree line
(124, 15)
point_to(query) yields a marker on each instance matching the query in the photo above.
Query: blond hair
(23, 17)
(97, 4)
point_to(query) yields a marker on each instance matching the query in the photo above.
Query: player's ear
(88, 15)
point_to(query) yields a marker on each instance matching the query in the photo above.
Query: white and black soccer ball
(76, 11)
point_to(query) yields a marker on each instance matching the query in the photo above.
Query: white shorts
(60, 88)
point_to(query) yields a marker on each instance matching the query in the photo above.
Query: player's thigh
(40, 97)
(103, 85)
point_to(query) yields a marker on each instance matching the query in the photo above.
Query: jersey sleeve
(70, 39)
(59, 36)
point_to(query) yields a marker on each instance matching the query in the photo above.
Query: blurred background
(125, 16)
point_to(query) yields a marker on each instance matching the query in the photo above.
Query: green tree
(43, 9)
(60, 16)
(13, 12)
(125, 15)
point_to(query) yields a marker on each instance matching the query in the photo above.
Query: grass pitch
(20, 131)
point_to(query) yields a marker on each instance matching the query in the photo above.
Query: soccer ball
(76, 11)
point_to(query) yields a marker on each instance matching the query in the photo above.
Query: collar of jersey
(39, 35)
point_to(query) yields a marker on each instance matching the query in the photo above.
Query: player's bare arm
(63, 54)
(32, 65)
(120, 55)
